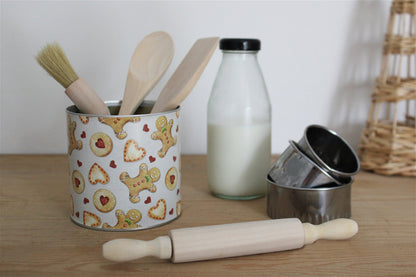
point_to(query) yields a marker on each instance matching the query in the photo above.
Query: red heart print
(172, 179)
(77, 214)
(113, 164)
(171, 211)
(83, 135)
(177, 128)
(146, 128)
(174, 158)
(100, 143)
(79, 163)
(86, 201)
(104, 200)
(148, 200)
(152, 159)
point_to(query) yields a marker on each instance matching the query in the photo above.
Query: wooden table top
(37, 238)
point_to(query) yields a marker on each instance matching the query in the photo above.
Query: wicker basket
(388, 143)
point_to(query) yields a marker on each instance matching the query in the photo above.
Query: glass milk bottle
(239, 124)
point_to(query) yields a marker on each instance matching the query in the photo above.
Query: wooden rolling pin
(230, 240)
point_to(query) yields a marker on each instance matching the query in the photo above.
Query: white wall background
(319, 60)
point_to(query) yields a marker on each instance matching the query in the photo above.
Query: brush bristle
(53, 59)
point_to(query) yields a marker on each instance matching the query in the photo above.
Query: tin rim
(73, 110)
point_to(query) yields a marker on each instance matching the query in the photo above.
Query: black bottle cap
(240, 44)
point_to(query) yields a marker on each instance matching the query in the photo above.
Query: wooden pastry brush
(53, 59)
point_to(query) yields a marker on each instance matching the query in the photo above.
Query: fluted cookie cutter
(314, 205)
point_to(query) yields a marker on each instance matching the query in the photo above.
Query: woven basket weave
(388, 143)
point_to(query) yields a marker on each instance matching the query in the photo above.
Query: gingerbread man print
(117, 124)
(143, 181)
(73, 143)
(164, 134)
(125, 221)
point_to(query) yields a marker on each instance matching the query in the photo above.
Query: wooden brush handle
(230, 240)
(86, 99)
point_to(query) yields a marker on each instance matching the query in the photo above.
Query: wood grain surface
(37, 238)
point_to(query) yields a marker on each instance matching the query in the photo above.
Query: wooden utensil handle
(86, 99)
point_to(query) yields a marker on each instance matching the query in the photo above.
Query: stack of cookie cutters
(312, 178)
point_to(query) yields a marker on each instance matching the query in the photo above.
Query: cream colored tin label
(124, 171)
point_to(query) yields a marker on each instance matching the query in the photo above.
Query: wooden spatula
(186, 75)
(149, 62)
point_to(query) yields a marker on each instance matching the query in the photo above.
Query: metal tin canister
(124, 171)
(314, 205)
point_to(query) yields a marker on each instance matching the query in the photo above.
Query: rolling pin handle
(123, 250)
(337, 229)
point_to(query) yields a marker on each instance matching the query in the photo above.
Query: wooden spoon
(186, 75)
(149, 62)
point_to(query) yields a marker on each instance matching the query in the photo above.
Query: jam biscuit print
(132, 151)
(118, 123)
(143, 181)
(164, 134)
(78, 182)
(84, 119)
(72, 142)
(171, 178)
(159, 211)
(98, 175)
(125, 221)
(101, 144)
(91, 220)
(104, 200)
